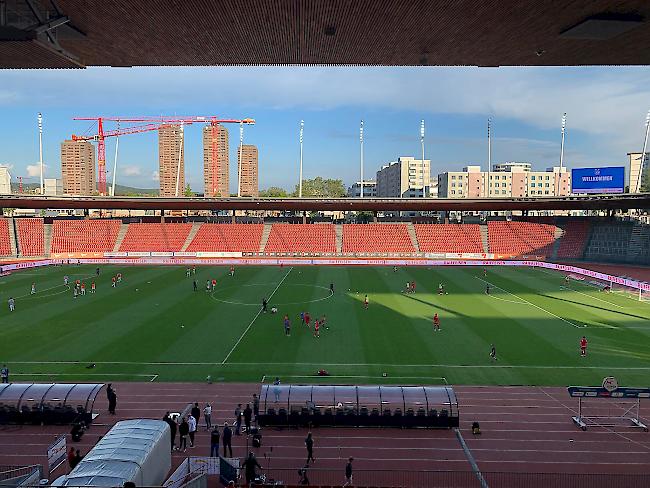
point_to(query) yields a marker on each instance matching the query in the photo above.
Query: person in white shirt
(191, 421)
(207, 415)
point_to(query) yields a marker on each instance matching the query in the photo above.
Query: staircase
(640, 235)
(120, 237)
(559, 233)
(47, 239)
(190, 237)
(265, 237)
(484, 238)
(413, 235)
(339, 238)
(13, 240)
(14, 230)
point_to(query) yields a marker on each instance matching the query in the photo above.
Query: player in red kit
(316, 328)
(436, 323)
(307, 319)
(583, 347)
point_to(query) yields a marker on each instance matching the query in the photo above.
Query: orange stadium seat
(574, 241)
(376, 238)
(227, 238)
(302, 238)
(521, 238)
(155, 237)
(30, 236)
(457, 238)
(84, 235)
(5, 243)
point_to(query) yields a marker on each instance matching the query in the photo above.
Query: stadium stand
(155, 237)
(521, 238)
(609, 242)
(5, 242)
(30, 236)
(376, 238)
(457, 238)
(302, 238)
(84, 235)
(227, 238)
(574, 241)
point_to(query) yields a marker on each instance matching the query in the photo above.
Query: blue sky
(606, 109)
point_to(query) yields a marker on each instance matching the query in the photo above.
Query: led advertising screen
(598, 180)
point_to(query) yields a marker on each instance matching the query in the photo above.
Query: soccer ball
(384, 374)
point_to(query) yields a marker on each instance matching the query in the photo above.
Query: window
(503, 192)
(539, 185)
(532, 177)
(453, 177)
(503, 177)
(453, 185)
(460, 192)
(547, 185)
(453, 192)
(546, 192)
(547, 177)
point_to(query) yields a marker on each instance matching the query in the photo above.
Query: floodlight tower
(489, 168)
(40, 149)
(361, 144)
(422, 144)
(643, 153)
(559, 175)
(302, 125)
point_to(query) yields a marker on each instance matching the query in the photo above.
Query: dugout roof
(38, 34)
(596, 202)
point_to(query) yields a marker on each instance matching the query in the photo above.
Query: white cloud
(35, 169)
(130, 170)
(155, 175)
(7, 165)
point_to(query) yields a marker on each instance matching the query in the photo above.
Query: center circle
(234, 301)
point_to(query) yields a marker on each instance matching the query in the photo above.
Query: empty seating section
(155, 237)
(227, 238)
(376, 238)
(521, 238)
(84, 235)
(456, 238)
(30, 236)
(302, 238)
(5, 243)
(609, 242)
(574, 240)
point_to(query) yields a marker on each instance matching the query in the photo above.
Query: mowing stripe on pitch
(255, 318)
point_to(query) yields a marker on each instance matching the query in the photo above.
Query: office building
(513, 181)
(78, 168)
(215, 161)
(5, 181)
(512, 166)
(407, 177)
(634, 166)
(369, 189)
(247, 161)
(171, 160)
(52, 187)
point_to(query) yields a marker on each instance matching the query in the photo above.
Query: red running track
(524, 429)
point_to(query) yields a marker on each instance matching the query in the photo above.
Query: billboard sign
(609, 179)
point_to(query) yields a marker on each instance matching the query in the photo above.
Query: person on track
(583, 347)
(436, 323)
(309, 444)
(493, 352)
(348, 473)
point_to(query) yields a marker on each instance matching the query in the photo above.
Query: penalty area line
(255, 318)
(524, 301)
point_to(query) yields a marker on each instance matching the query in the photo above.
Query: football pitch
(154, 327)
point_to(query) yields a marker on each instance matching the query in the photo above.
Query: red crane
(148, 124)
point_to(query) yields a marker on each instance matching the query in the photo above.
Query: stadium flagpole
(643, 153)
(40, 149)
(361, 161)
(302, 125)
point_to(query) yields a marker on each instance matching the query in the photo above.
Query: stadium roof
(368, 32)
(600, 202)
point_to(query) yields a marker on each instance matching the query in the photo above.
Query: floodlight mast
(361, 161)
(422, 144)
(559, 176)
(40, 149)
(644, 152)
(489, 168)
(302, 125)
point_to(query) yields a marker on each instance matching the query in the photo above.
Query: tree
(321, 188)
(188, 191)
(274, 192)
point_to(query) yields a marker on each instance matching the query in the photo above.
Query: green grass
(135, 332)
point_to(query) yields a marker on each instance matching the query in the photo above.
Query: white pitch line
(86, 374)
(591, 296)
(532, 304)
(255, 318)
(360, 365)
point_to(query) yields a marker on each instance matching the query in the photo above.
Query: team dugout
(353, 406)
(51, 403)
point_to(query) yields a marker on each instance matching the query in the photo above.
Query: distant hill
(120, 190)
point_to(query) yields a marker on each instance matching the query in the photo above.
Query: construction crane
(148, 124)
